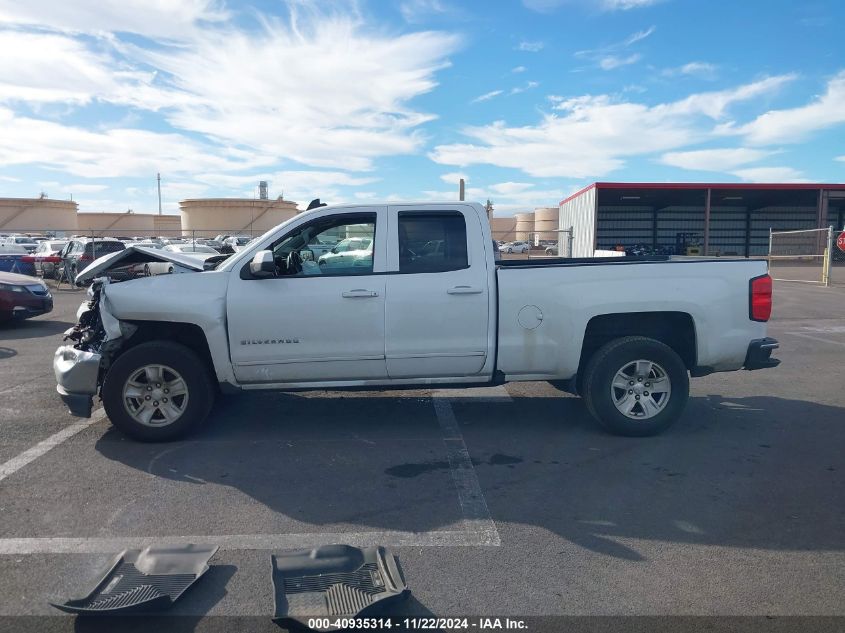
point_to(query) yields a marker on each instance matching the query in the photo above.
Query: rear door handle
(359, 293)
(464, 290)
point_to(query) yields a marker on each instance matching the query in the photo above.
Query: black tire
(601, 370)
(193, 371)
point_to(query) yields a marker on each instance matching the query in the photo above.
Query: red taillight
(760, 308)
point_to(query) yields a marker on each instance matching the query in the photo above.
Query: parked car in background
(516, 247)
(353, 251)
(24, 241)
(551, 249)
(237, 242)
(213, 243)
(22, 296)
(196, 252)
(81, 251)
(47, 258)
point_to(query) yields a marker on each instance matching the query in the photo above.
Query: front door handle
(359, 293)
(464, 290)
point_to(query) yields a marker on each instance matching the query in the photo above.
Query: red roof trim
(705, 185)
(578, 193)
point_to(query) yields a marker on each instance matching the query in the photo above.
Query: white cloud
(320, 89)
(298, 185)
(625, 5)
(713, 159)
(770, 174)
(519, 69)
(487, 96)
(529, 85)
(611, 56)
(591, 136)
(155, 18)
(83, 188)
(639, 35)
(840, 158)
(612, 61)
(511, 188)
(414, 11)
(701, 70)
(114, 153)
(48, 68)
(507, 197)
(530, 47)
(546, 6)
(454, 177)
(796, 124)
(336, 96)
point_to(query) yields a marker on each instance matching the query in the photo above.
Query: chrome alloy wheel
(641, 389)
(155, 395)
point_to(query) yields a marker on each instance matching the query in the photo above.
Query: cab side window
(432, 242)
(333, 245)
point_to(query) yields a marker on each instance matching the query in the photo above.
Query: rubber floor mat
(144, 580)
(334, 582)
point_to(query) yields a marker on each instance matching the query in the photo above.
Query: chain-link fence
(529, 245)
(804, 256)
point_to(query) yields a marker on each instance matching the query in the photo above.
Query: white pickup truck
(624, 332)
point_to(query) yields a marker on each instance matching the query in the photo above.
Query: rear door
(437, 312)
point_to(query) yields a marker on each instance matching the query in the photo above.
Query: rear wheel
(635, 386)
(157, 391)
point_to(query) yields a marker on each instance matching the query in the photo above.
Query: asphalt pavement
(503, 501)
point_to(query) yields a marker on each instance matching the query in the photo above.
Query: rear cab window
(432, 241)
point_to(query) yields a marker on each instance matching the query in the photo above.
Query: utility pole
(158, 177)
(461, 190)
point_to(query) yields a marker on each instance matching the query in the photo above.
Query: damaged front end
(79, 365)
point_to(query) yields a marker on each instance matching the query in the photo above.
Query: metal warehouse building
(694, 218)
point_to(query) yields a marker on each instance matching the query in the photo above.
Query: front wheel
(157, 391)
(635, 386)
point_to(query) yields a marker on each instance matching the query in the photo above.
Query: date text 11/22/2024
(480, 624)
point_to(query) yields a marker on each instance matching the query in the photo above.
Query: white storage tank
(546, 221)
(235, 216)
(37, 215)
(525, 227)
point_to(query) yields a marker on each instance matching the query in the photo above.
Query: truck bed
(545, 262)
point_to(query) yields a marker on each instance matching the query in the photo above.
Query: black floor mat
(144, 580)
(334, 581)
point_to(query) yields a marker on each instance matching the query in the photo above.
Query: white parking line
(95, 545)
(473, 504)
(16, 463)
(816, 338)
(479, 530)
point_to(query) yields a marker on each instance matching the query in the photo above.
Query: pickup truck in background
(625, 333)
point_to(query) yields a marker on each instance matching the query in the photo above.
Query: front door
(322, 317)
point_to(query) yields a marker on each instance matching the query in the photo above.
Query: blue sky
(354, 101)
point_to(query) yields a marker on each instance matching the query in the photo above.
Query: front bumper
(76, 373)
(23, 306)
(759, 354)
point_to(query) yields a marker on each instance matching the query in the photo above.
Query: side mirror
(262, 265)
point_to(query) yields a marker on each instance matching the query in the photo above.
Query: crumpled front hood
(139, 255)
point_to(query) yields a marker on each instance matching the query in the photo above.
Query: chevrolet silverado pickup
(425, 304)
